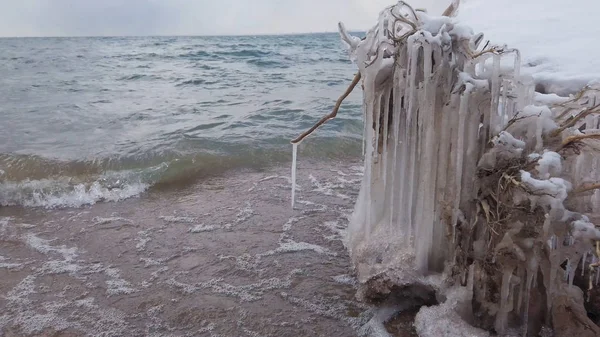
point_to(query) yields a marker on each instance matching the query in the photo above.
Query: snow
(558, 39)
(549, 164)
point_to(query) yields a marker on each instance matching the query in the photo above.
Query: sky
(190, 17)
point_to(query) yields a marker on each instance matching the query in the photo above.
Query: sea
(145, 188)
(85, 120)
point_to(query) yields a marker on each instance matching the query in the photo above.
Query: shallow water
(224, 257)
(92, 119)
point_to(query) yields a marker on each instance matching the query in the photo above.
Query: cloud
(188, 17)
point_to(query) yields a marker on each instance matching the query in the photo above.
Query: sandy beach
(224, 257)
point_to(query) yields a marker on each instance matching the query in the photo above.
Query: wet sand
(225, 257)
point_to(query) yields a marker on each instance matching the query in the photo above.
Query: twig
(571, 122)
(451, 10)
(494, 50)
(402, 3)
(333, 113)
(516, 119)
(564, 113)
(572, 139)
(577, 96)
(402, 19)
(587, 187)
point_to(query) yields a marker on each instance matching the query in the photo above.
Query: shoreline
(225, 256)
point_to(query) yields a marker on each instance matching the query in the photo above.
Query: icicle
(505, 294)
(412, 140)
(398, 97)
(368, 180)
(531, 280)
(583, 263)
(522, 287)
(294, 153)
(460, 148)
(377, 116)
(495, 93)
(517, 64)
(427, 254)
(572, 270)
(471, 279)
(364, 135)
(597, 275)
(385, 136)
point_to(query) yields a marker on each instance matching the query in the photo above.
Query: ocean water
(85, 120)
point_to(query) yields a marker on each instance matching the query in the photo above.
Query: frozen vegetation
(477, 190)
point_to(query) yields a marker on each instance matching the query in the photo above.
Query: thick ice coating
(466, 168)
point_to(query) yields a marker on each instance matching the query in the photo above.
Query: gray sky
(189, 17)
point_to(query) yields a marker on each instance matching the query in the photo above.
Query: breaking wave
(33, 181)
(61, 193)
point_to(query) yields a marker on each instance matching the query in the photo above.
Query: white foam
(291, 246)
(202, 228)
(43, 193)
(245, 262)
(333, 308)
(4, 223)
(117, 285)
(318, 187)
(251, 292)
(182, 287)
(148, 262)
(43, 246)
(184, 219)
(25, 225)
(246, 293)
(291, 221)
(243, 215)
(142, 240)
(103, 221)
(59, 267)
(10, 266)
(345, 279)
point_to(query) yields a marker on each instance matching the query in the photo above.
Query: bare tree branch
(572, 121)
(333, 113)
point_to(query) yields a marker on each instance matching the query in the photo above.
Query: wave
(196, 81)
(33, 181)
(135, 77)
(199, 55)
(267, 63)
(57, 194)
(246, 53)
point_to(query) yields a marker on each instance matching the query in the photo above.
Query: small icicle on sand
(294, 156)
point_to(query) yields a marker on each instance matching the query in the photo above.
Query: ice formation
(468, 172)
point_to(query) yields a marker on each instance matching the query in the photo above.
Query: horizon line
(174, 35)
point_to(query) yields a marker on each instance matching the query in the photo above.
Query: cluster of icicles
(438, 109)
